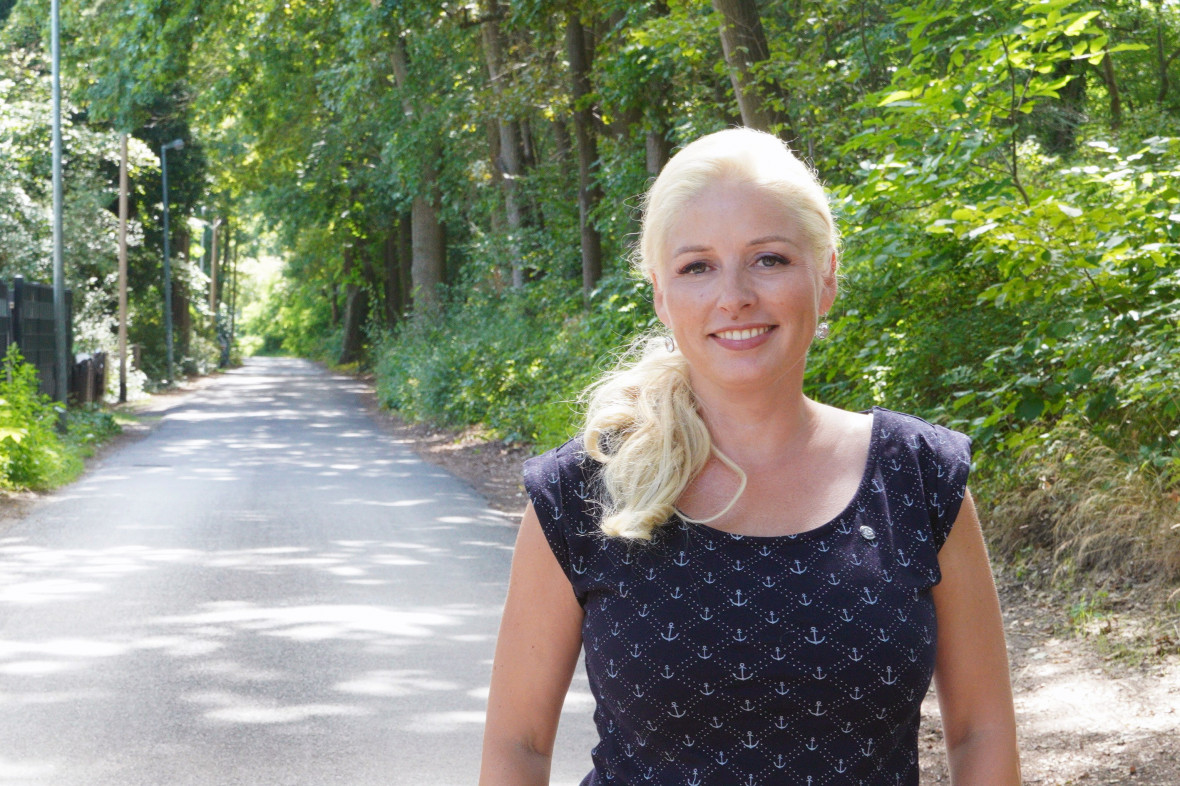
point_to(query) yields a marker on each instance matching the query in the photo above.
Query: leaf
(1069, 210)
(1030, 408)
(982, 230)
(895, 96)
(1079, 24)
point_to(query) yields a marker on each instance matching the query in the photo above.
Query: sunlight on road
(210, 592)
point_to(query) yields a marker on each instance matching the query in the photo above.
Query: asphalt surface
(266, 589)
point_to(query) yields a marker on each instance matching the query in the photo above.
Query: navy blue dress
(798, 659)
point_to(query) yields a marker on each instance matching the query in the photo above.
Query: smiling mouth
(742, 335)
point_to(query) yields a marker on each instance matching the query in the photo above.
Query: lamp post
(60, 328)
(175, 144)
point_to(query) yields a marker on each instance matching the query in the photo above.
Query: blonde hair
(642, 421)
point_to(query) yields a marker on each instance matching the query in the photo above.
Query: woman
(763, 585)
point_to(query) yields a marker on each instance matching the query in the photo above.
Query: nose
(736, 292)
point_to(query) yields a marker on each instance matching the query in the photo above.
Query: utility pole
(61, 384)
(123, 271)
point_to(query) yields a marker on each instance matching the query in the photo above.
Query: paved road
(265, 590)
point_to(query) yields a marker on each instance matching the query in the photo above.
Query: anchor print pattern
(717, 658)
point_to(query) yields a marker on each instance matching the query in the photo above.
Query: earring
(822, 330)
(670, 343)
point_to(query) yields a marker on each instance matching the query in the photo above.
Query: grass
(1099, 536)
(1089, 510)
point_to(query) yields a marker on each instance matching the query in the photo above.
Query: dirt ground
(1097, 693)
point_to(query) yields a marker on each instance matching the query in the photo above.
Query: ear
(829, 283)
(657, 300)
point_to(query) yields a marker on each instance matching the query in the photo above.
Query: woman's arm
(540, 636)
(971, 667)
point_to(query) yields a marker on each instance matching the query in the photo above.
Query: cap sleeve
(945, 458)
(556, 484)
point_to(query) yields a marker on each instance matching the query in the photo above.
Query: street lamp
(175, 144)
(61, 388)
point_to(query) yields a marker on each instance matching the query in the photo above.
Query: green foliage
(294, 320)
(89, 426)
(515, 363)
(31, 454)
(1087, 610)
(91, 152)
(1003, 174)
(1028, 298)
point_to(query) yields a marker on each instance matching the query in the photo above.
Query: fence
(26, 319)
(5, 320)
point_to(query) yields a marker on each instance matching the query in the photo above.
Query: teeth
(741, 335)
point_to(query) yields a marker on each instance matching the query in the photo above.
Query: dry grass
(1091, 511)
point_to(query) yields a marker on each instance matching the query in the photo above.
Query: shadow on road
(266, 588)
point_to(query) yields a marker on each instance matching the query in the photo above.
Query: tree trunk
(356, 304)
(496, 210)
(1067, 112)
(214, 256)
(528, 149)
(372, 285)
(426, 243)
(658, 150)
(393, 277)
(181, 316)
(233, 298)
(1163, 60)
(221, 268)
(405, 253)
(589, 193)
(508, 161)
(426, 267)
(355, 307)
(1112, 89)
(744, 43)
(1160, 53)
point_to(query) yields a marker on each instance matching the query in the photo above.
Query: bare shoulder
(844, 426)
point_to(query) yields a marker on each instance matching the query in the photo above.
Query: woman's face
(741, 290)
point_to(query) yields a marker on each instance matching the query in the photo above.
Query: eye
(693, 268)
(771, 260)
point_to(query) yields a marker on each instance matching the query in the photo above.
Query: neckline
(877, 414)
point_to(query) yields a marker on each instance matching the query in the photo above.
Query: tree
(744, 44)
(579, 51)
(508, 146)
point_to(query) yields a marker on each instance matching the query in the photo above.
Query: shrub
(514, 362)
(31, 453)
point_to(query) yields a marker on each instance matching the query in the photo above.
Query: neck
(758, 426)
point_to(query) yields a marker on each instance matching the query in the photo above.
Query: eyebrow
(758, 241)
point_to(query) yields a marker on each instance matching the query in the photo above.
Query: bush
(514, 362)
(31, 453)
(202, 358)
(90, 426)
